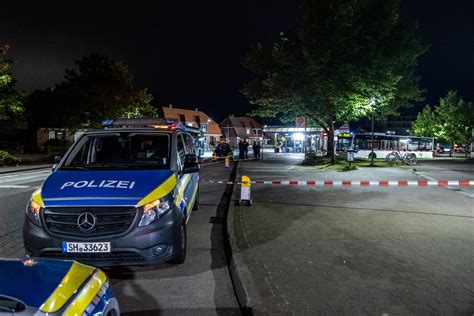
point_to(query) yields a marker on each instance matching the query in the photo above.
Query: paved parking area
(353, 250)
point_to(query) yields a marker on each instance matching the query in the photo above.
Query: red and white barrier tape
(420, 183)
(222, 161)
(210, 163)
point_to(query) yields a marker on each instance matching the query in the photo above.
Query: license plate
(86, 247)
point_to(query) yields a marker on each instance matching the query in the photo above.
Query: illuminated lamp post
(372, 104)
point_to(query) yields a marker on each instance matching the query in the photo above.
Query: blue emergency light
(157, 122)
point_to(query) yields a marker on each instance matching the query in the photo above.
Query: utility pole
(372, 142)
(305, 140)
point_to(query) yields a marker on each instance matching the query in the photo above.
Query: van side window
(189, 144)
(181, 150)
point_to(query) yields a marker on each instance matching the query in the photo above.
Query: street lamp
(372, 104)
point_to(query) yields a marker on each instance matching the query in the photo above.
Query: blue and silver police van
(121, 195)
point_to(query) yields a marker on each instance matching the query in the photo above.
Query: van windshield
(119, 151)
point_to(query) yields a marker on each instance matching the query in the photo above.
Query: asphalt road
(357, 250)
(200, 286)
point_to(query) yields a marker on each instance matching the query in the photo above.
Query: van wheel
(180, 254)
(196, 202)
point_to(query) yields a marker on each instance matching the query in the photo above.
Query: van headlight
(154, 210)
(33, 210)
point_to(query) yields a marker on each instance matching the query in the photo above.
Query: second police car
(121, 195)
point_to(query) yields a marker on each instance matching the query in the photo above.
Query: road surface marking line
(21, 178)
(13, 186)
(433, 181)
(16, 174)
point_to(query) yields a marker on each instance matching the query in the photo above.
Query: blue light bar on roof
(139, 122)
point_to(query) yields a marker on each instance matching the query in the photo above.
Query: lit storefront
(292, 139)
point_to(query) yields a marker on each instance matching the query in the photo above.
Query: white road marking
(455, 189)
(16, 174)
(39, 176)
(14, 186)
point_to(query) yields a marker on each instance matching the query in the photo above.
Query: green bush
(6, 158)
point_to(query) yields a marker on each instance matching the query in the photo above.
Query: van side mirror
(57, 159)
(190, 157)
(190, 164)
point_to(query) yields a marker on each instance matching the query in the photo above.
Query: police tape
(223, 161)
(210, 163)
(399, 183)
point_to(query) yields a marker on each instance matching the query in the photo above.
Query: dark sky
(189, 53)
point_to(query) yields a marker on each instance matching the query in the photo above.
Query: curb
(245, 290)
(25, 169)
(247, 293)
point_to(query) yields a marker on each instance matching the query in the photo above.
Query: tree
(101, 88)
(451, 121)
(455, 118)
(343, 54)
(426, 123)
(11, 99)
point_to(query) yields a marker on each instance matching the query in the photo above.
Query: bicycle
(395, 156)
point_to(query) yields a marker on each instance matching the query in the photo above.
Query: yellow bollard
(245, 197)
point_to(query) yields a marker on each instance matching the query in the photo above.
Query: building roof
(194, 117)
(239, 126)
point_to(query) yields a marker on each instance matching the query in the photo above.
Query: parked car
(461, 149)
(221, 151)
(54, 287)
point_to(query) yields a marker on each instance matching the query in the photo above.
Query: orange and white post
(245, 197)
(226, 162)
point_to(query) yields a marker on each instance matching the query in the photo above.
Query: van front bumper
(155, 243)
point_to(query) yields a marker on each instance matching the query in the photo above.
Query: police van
(122, 195)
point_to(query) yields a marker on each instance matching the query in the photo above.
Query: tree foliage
(456, 118)
(101, 88)
(425, 124)
(343, 54)
(11, 99)
(451, 121)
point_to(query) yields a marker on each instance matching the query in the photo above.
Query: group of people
(244, 149)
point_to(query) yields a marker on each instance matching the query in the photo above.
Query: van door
(182, 179)
(192, 189)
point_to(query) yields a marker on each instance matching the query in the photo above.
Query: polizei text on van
(116, 184)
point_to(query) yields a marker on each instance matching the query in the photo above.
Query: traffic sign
(301, 121)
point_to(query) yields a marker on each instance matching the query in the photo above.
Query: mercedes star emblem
(86, 221)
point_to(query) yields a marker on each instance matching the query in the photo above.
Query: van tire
(180, 254)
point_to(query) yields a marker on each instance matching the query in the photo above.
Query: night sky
(189, 53)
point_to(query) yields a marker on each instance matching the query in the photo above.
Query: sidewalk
(11, 169)
(354, 250)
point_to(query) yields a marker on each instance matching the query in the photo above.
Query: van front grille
(105, 220)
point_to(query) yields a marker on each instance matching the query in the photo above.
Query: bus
(384, 144)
